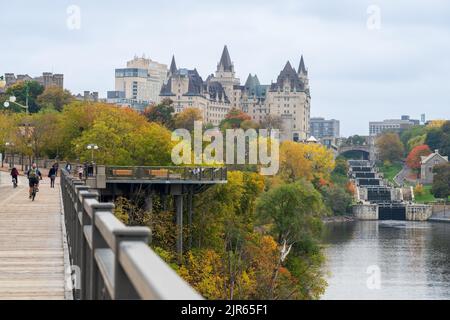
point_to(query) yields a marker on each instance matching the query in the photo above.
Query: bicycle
(14, 181)
(34, 191)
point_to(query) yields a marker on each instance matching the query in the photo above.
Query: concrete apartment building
(141, 81)
(395, 125)
(288, 97)
(322, 128)
(47, 79)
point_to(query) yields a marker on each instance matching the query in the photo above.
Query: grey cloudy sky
(356, 74)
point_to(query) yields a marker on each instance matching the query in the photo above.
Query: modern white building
(395, 125)
(141, 81)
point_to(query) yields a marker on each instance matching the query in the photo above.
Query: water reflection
(413, 259)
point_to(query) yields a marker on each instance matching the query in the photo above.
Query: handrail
(114, 260)
(199, 173)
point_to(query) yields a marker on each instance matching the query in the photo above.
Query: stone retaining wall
(418, 212)
(366, 211)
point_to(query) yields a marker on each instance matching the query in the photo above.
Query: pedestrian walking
(52, 176)
(56, 166)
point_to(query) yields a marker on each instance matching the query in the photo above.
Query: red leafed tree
(413, 159)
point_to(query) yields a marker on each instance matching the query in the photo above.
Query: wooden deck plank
(31, 243)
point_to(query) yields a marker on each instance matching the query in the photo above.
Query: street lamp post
(92, 147)
(12, 99)
(90, 169)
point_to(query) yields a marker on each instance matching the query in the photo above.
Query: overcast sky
(361, 68)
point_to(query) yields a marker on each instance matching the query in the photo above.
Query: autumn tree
(293, 213)
(161, 113)
(308, 161)
(249, 124)
(54, 98)
(234, 119)
(124, 137)
(186, 118)
(6, 131)
(389, 146)
(413, 161)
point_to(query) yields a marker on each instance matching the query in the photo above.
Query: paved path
(31, 242)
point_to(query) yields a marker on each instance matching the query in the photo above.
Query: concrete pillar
(190, 203)
(149, 203)
(179, 207)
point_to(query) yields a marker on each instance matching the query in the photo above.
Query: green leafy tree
(439, 138)
(292, 209)
(21, 90)
(54, 98)
(355, 140)
(441, 181)
(412, 133)
(337, 199)
(161, 113)
(293, 213)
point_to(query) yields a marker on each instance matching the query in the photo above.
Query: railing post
(123, 289)
(77, 229)
(84, 220)
(97, 243)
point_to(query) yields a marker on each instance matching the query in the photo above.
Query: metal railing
(166, 173)
(114, 260)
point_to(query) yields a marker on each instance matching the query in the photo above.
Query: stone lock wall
(366, 211)
(418, 212)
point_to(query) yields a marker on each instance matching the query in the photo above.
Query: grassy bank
(427, 196)
(390, 171)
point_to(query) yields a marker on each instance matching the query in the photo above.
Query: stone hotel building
(289, 97)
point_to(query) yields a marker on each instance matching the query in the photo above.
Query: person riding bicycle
(34, 175)
(15, 175)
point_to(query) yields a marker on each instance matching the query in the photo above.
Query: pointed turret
(225, 60)
(249, 81)
(173, 66)
(301, 67)
(287, 67)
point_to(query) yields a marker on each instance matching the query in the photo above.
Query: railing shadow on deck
(113, 261)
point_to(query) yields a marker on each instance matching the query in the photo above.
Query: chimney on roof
(436, 151)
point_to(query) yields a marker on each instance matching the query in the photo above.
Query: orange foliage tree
(414, 158)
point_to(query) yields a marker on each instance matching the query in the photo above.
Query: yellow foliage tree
(185, 119)
(308, 161)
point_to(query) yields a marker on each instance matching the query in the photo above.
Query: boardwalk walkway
(31, 242)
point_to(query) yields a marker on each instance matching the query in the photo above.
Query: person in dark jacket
(15, 176)
(52, 176)
(56, 166)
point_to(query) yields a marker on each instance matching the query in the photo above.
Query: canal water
(387, 260)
